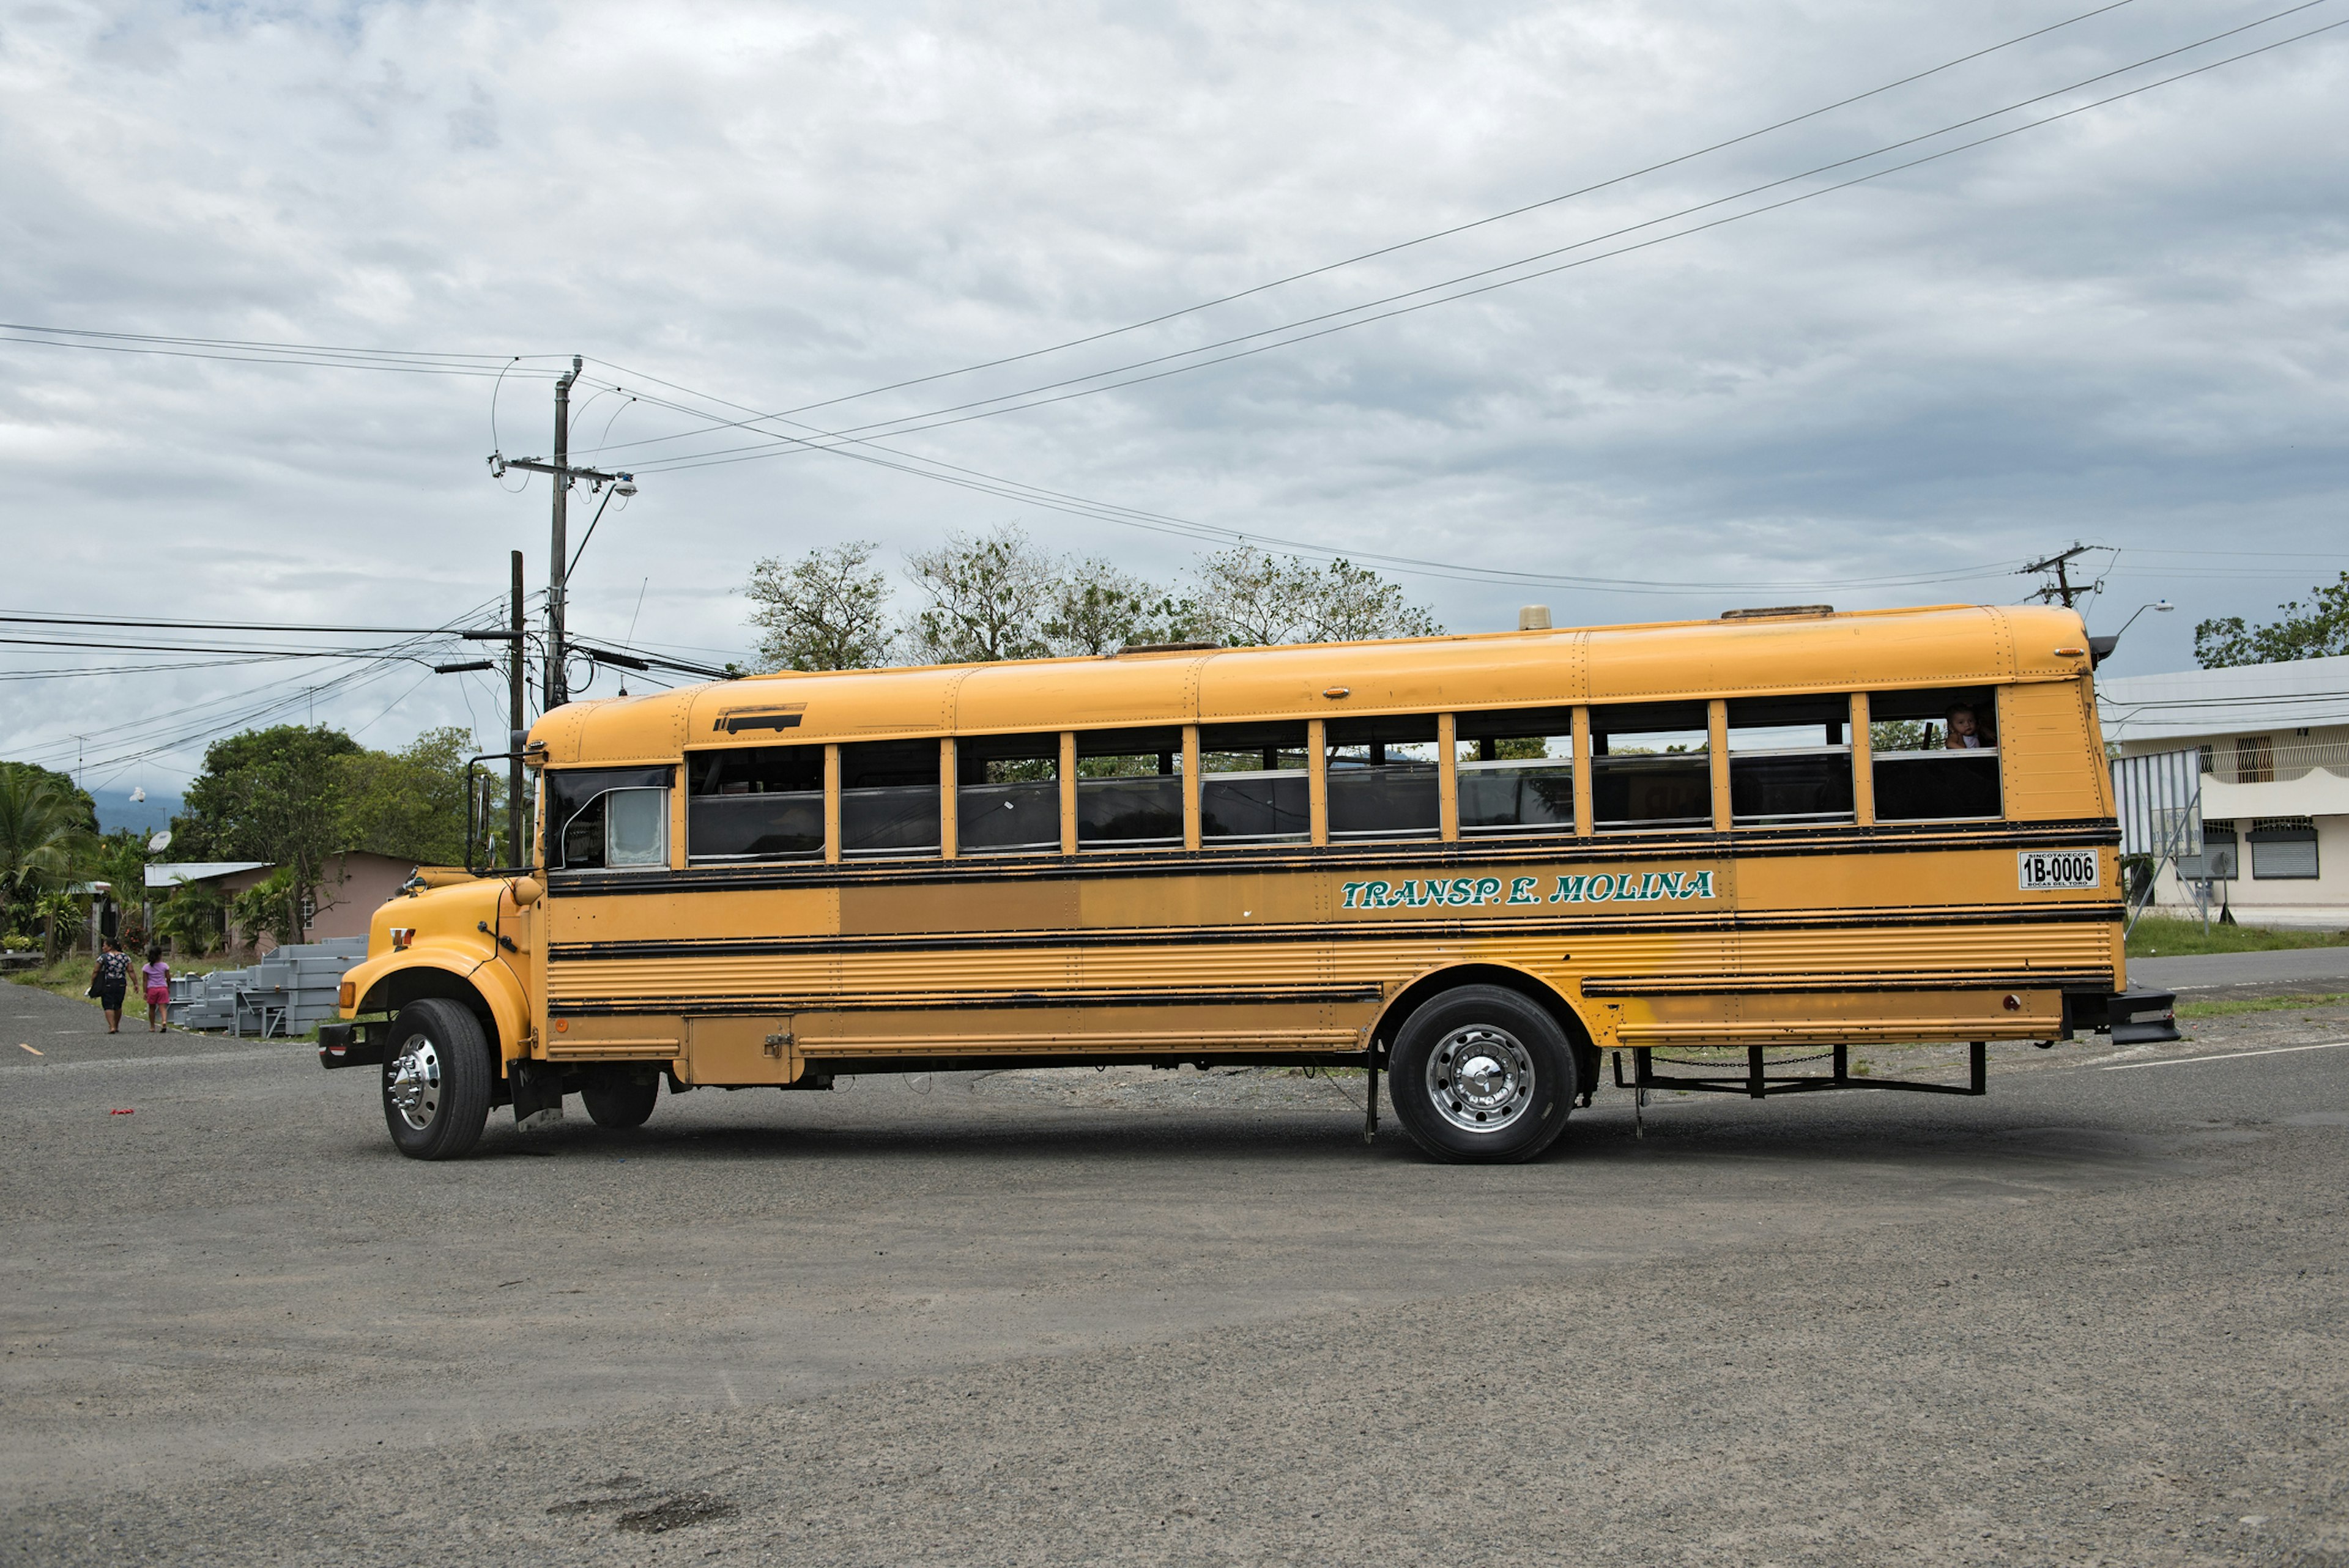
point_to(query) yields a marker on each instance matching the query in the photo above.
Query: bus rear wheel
(620, 1099)
(1482, 1075)
(436, 1080)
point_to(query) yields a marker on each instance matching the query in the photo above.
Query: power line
(1399, 245)
(1182, 527)
(191, 722)
(152, 624)
(963, 413)
(86, 670)
(258, 352)
(475, 363)
(210, 648)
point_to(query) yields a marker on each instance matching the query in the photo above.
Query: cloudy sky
(2124, 327)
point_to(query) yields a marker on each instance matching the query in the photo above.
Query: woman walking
(157, 978)
(109, 981)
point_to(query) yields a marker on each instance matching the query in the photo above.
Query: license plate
(2040, 872)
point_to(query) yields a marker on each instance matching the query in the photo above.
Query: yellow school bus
(1477, 863)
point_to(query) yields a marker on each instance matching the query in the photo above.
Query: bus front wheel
(436, 1080)
(1482, 1074)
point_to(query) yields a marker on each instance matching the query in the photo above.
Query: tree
(1355, 604)
(272, 906)
(45, 828)
(1252, 598)
(989, 598)
(824, 612)
(1098, 609)
(85, 807)
(411, 804)
(272, 795)
(194, 918)
(119, 860)
(2317, 630)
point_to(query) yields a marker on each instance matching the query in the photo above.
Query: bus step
(1755, 1082)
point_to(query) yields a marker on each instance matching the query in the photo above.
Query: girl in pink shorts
(158, 977)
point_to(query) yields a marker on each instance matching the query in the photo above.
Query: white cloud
(2125, 328)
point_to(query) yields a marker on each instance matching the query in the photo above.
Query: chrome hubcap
(1480, 1079)
(414, 1085)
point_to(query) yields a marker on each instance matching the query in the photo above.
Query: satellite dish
(160, 842)
(139, 795)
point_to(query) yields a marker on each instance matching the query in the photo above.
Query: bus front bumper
(361, 1045)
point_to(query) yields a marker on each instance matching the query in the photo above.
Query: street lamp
(2101, 648)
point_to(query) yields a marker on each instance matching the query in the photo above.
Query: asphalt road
(2287, 969)
(2097, 1316)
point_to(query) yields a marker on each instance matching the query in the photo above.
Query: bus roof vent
(1168, 649)
(1777, 611)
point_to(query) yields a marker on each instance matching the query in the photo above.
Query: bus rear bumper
(2137, 1017)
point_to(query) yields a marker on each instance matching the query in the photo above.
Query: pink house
(354, 885)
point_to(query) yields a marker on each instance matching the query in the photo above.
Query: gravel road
(2097, 1316)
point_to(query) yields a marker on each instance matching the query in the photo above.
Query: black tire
(1520, 1099)
(436, 1078)
(619, 1100)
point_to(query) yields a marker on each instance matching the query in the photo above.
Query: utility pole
(2063, 587)
(517, 847)
(558, 687)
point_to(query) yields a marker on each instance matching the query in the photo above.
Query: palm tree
(41, 835)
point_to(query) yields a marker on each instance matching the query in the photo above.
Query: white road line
(179, 1058)
(2225, 1056)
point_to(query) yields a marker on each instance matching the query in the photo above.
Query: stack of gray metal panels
(205, 1001)
(290, 991)
(309, 977)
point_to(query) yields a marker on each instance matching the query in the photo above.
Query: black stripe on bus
(2009, 915)
(963, 1001)
(1813, 983)
(1382, 854)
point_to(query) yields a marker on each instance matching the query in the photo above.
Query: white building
(2274, 744)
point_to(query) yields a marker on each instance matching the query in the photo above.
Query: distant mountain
(116, 809)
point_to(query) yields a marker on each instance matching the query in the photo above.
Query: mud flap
(537, 1090)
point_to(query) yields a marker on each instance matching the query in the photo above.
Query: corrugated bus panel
(2046, 768)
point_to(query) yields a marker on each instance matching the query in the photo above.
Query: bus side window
(1254, 785)
(1130, 787)
(607, 817)
(1517, 771)
(1383, 778)
(1007, 793)
(1789, 761)
(1936, 754)
(760, 802)
(1650, 766)
(889, 798)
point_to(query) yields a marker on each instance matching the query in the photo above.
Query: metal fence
(2262, 760)
(2160, 797)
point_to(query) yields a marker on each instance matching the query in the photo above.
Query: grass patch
(2163, 937)
(2256, 1005)
(69, 976)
